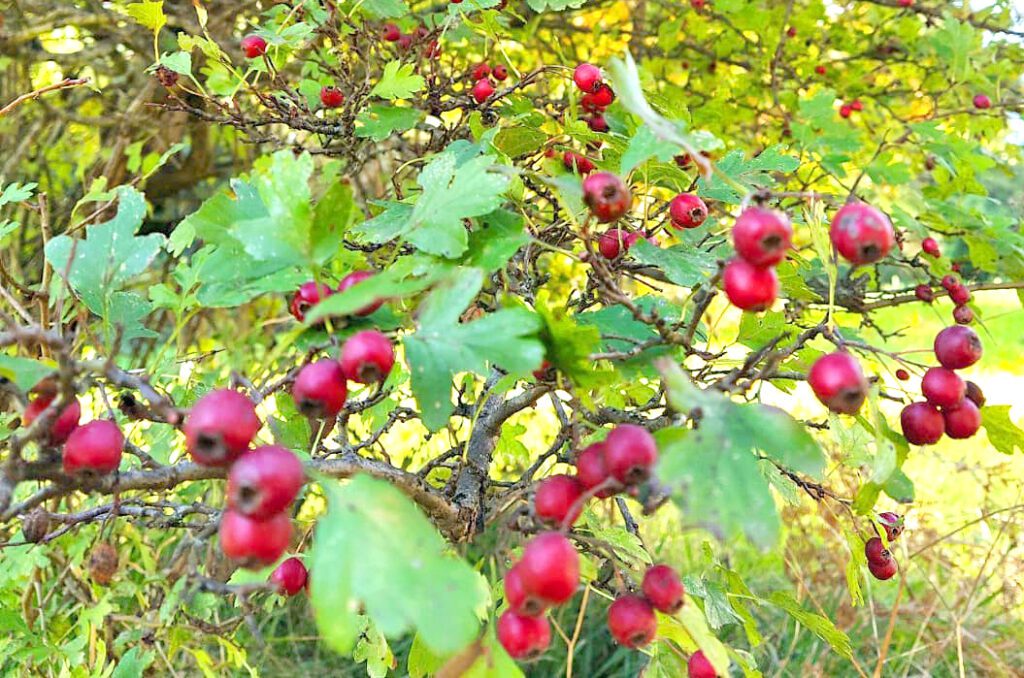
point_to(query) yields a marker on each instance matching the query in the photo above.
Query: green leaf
(375, 550)
(1002, 432)
(378, 122)
(554, 5)
(497, 241)
(149, 14)
(422, 661)
(815, 623)
(384, 9)
(373, 649)
(398, 81)
(569, 344)
(643, 146)
(691, 618)
(24, 372)
(516, 141)
(179, 62)
(16, 193)
(684, 265)
(753, 173)
(133, 663)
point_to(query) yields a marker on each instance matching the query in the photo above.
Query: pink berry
(587, 77)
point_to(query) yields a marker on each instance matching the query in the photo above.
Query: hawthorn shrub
(503, 285)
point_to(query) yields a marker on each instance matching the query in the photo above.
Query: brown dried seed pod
(103, 563)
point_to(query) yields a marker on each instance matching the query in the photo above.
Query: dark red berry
(96, 446)
(838, 382)
(762, 236)
(404, 41)
(981, 101)
(606, 196)
(902, 374)
(265, 481)
(632, 621)
(882, 569)
(289, 577)
(220, 427)
(687, 211)
(924, 293)
(749, 287)
(587, 77)
(254, 543)
(957, 347)
(663, 588)
(592, 471)
(557, 500)
(615, 241)
(874, 550)
(500, 72)
(630, 453)
(603, 96)
(65, 423)
(949, 281)
(930, 246)
(103, 561)
(959, 294)
(922, 424)
(845, 111)
(320, 389)
(545, 372)
(353, 279)
(588, 102)
(523, 637)
(975, 394)
(700, 667)
(391, 33)
(597, 123)
(942, 387)
(480, 71)
(962, 421)
(331, 97)
(963, 315)
(519, 600)
(550, 568)
(574, 162)
(254, 46)
(367, 357)
(310, 294)
(482, 90)
(861, 233)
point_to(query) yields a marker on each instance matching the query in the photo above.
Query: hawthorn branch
(35, 94)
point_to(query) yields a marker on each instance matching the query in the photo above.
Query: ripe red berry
(922, 424)
(975, 394)
(404, 41)
(791, 32)
(391, 33)
(254, 543)
(519, 600)
(254, 46)
(838, 382)
(630, 453)
(603, 96)
(557, 500)
(587, 77)
(500, 72)
(963, 315)
(606, 196)
(220, 427)
(632, 621)
(857, 105)
(904, 3)
(574, 162)
(615, 241)
(320, 390)
(65, 423)
(95, 446)
(331, 97)
(924, 293)
(902, 374)
(962, 421)
(930, 246)
(687, 211)
(699, 667)
(480, 71)
(949, 281)
(591, 470)
(957, 347)
(845, 111)
(545, 372)
(597, 123)
(353, 279)
(874, 550)
(819, 69)
(550, 568)
(761, 236)
(959, 294)
(663, 588)
(367, 357)
(981, 101)
(309, 294)
(523, 637)
(289, 577)
(748, 287)
(942, 388)
(265, 481)
(862, 234)
(698, 4)
(893, 524)
(482, 90)
(588, 102)
(882, 569)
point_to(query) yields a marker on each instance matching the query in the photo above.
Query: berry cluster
(881, 564)
(311, 293)
(597, 97)
(761, 238)
(481, 76)
(95, 447)
(404, 41)
(855, 106)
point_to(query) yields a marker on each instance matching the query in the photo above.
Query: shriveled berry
(103, 562)
(893, 524)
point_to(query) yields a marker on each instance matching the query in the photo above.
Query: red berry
(874, 550)
(265, 481)
(480, 71)
(687, 211)
(882, 569)
(957, 347)
(310, 294)
(902, 374)
(523, 637)
(606, 196)
(748, 287)
(404, 41)
(574, 162)
(289, 577)
(597, 123)
(963, 315)
(862, 234)
(519, 600)
(615, 241)
(603, 96)
(698, 4)
(924, 293)
(632, 621)
(421, 32)
(587, 77)
(981, 101)
(922, 424)
(391, 33)
(700, 667)
(252, 542)
(949, 281)
(482, 90)
(761, 236)
(930, 246)
(500, 72)
(320, 389)
(838, 382)
(331, 97)
(663, 588)
(432, 50)
(588, 102)
(630, 453)
(65, 423)
(820, 70)
(550, 568)
(942, 388)
(857, 105)
(591, 470)
(557, 500)
(220, 427)
(353, 279)
(545, 372)
(975, 394)
(254, 46)
(904, 3)
(962, 421)
(367, 357)
(893, 524)
(845, 111)
(95, 446)
(959, 294)
(791, 32)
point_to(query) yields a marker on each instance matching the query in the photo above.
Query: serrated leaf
(568, 344)
(684, 265)
(384, 9)
(149, 14)
(516, 141)
(24, 372)
(1002, 432)
(16, 192)
(179, 62)
(378, 122)
(497, 241)
(815, 623)
(398, 81)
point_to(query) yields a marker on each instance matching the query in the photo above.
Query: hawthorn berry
(500, 72)
(630, 453)
(587, 77)
(949, 281)
(942, 387)
(523, 637)
(845, 111)
(404, 41)
(838, 382)
(254, 46)
(687, 211)
(607, 196)
(957, 347)
(592, 471)
(545, 372)
(519, 600)
(632, 621)
(819, 69)
(663, 588)
(963, 315)
(922, 424)
(96, 446)
(761, 236)
(699, 666)
(353, 279)
(893, 524)
(252, 542)
(962, 421)
(902, 374)
(882, 569)
(36, 525)
(331, 97)
(220, 427)
(930, 246)
(557, 500)
(615, 241)
(603, 96)
(874, 549)
(391, 33)
(981, 101)
(320, 390)
(65, 423)
(975, 394)
(367, 357)
(265, 481)
(959, 294)
(290, 577)
(924, 293)
(588, 102)
(574, 162)
(749, 287)
(904, 3)
(597, 123)
(550, 568)
(791, 32)
(309, 295)
(482, 90)
(857, 105)
(861, 233)
(480, 71)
